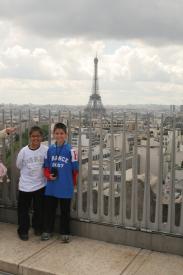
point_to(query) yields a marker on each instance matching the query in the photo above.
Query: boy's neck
(60, 143)
(33, 147)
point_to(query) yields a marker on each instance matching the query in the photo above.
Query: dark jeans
(50, 207)
(25, 199)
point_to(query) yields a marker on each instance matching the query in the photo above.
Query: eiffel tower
(95, 106)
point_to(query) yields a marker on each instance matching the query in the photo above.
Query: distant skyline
(48, 46)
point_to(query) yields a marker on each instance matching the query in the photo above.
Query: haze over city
(47, 50)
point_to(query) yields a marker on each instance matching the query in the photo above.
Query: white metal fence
(110, 189)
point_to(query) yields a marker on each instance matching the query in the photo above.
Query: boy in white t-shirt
(31, 183)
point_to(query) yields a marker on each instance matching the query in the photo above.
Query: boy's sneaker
(65, 238)
(45, 236)
(23, 237)
(37, 232)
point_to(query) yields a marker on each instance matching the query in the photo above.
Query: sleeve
(74, 159)
(75, 165)
(46, 163)
(3, 133)
(19, 161)
(75, 177)
(47, 173)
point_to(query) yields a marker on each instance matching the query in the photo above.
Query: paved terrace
(81, 256)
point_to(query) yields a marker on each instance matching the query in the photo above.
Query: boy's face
(35, 139)
(59, 135)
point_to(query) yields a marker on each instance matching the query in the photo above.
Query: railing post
(49, 128)
(59, 116)
(29, 124)
(5, 191)
(122, 214)
(79, 187)
(13, 183)
(134, 180)
(100, 184)
(171, 205)
(39, 117)
(69, 128)
(111, 205)
(20, 129)
(89, 182)
(158, 213)
(146, 202)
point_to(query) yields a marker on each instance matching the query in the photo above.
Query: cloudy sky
(47, 49)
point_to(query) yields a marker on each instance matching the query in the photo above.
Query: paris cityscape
(144, 120)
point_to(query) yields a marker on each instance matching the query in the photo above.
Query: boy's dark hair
(60, 125)
(35, 129)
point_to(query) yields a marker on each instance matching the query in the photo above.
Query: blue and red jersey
(65, 159)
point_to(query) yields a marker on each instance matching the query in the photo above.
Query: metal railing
(139, 199)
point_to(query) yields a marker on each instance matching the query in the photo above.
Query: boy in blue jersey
(60, 169)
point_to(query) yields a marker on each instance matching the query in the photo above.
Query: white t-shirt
(30, 163)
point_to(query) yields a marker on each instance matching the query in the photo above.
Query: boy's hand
(10, 130)
(48, 175)
(52, 177)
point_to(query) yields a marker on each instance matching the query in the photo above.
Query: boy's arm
(46, 167)
(75, 177)
(19, 161)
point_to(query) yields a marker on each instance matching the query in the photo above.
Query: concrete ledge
(8, 215)
(13, 251)
(9, 267)
(104, 232)
(82, 255)
(113, 234)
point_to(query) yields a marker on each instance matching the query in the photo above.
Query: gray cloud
(158, 21)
